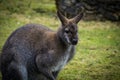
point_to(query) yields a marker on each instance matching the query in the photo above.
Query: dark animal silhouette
(34, 52)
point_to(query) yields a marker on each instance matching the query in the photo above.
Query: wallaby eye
(67, 30)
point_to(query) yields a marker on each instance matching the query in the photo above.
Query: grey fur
(34, 52)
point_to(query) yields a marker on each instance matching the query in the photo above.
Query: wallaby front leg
(41, 63)
(55, 74)
(46, 73)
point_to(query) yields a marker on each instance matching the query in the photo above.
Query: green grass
(97, 53)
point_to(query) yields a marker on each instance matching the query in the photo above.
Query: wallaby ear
(77, 18)
(62, 18)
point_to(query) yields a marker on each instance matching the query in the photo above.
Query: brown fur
(34, 52)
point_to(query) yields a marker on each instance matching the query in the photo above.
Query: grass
(97, 53)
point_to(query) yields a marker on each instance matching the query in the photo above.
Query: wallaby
(34, 52)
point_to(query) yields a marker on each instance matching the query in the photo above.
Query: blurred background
(98, 51)
(93, 9)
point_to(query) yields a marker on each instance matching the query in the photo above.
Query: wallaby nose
(74, 41)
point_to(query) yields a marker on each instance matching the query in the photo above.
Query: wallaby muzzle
(74, 41)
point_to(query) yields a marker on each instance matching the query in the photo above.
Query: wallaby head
(69, 30)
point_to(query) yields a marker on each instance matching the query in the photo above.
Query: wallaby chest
(63, 59)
